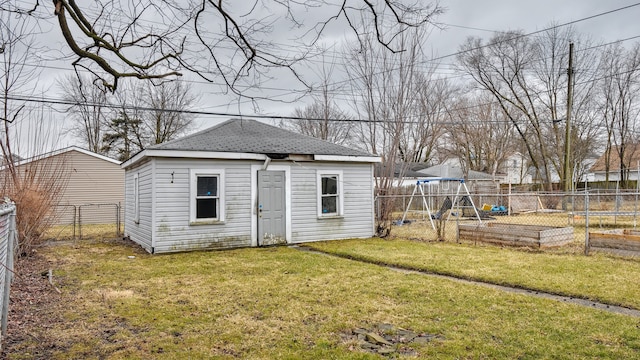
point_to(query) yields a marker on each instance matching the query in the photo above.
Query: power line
(442, 57)
(286, 47)
(222, 114)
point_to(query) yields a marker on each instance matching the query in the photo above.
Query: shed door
(271, 208)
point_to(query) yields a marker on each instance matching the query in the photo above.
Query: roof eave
(191, 154)
(64, 151)
(234, 156)
(348, 158)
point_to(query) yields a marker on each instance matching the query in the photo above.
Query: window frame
(136, 198)
(339, 196)
(193, 195)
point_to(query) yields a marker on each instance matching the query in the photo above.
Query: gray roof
(448, 171)
(407, 170)
(250, 136)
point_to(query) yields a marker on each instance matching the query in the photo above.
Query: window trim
(193, 192)
(136, 198)
(340, 195)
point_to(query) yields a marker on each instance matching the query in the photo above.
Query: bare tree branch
(215, 39)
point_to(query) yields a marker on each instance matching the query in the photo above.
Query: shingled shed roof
(251, 140)
(631, 159)
(250, 136)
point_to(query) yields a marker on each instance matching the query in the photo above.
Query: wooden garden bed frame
(516, 234)
(618, 241)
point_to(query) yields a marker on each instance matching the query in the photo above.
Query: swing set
(461, 200)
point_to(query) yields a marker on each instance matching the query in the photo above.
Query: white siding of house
(172, 230)
(140, 232)
(613, 176)
(357, 220)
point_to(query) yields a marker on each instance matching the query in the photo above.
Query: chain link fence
(8, 244)
(437, 215)
(87, 221)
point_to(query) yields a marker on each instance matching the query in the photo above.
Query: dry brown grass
(284, 303)
(420, 227)
(85, 232)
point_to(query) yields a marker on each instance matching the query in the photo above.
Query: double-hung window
(329, 193)
(207, 196)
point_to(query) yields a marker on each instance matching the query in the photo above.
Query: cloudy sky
(481, 18)
(462, 18)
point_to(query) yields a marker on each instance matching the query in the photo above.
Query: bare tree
(619, 108)
(323, 118)
(395, 97)
(479, 134)
(147, 115)
(217, 40)
(435, 97)
(89, 113)
(169, 106)
(527, 77)
(35, 187)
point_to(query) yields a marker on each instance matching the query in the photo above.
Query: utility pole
(568, 181)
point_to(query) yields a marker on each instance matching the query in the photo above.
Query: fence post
(586, 222)
(75, 214)
(80, 222)
(118, 219)
(8, 275)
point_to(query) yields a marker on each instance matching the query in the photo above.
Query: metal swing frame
(455, 203)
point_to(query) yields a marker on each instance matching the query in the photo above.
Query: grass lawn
(605, 278)
(284, 303)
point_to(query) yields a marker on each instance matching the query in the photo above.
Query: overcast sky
(462, 18)
(481, 18)
(529, 16)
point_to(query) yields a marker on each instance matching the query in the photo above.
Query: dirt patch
(33, 311)
(386, 339)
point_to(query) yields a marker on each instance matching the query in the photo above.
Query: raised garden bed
(516, 235)
(618, 241)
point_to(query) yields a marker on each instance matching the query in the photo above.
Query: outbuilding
(89, 187)
(244, 183)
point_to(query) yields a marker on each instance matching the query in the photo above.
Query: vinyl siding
(89, 180)
(357, 220)
(173, 231)
(96, 186)
(93, 181)
(141, 232)
(171, 228)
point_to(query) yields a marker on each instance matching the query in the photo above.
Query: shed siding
(89, 180)
(173, 231)
(171, 228)
(357, 220)
(95, 186)
(93, 181)
(139, 232)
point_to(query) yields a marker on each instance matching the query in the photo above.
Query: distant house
(244, 183)
(477, 181)
(598, 171)
(91, 180)
(449, 171)
(404, 174)
(516, 169)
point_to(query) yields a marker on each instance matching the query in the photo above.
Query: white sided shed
(244, 183)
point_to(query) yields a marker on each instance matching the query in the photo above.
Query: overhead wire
(441, 57)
